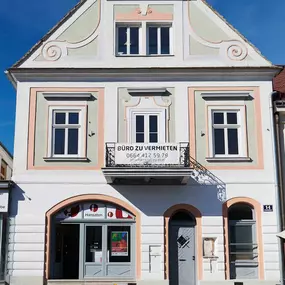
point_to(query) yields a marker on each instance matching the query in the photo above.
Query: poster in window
(119, 244)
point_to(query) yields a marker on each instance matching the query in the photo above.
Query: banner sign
(136, 154)
(119, 244)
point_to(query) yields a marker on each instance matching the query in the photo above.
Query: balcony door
(148, 127)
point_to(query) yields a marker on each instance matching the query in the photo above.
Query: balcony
(167, 163)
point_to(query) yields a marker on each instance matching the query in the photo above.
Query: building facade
(6, 185)
(278, 103)
(143, 151)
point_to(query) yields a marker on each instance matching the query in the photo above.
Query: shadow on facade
(204, 190)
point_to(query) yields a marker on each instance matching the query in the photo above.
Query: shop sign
(94, 211)
(119, 244)
(117, 213)
(4, 198)
(136, 154)
(70, 213)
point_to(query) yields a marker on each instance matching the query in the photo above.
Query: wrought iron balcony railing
(147, 155)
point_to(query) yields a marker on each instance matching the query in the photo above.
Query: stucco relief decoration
(144, 12)
(233, 49)
(55, 50)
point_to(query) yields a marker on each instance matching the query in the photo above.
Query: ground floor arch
(103, 235)
(183, 244)
(243, 240)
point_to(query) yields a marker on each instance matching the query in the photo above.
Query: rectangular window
(3, 174)
(226, 132)
(147, 128)
(128, 40)
(66, 132)
(158, 40)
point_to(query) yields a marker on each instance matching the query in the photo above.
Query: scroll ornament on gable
(230, 49)
(56, 49)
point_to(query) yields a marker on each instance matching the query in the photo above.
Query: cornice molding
(142, 74)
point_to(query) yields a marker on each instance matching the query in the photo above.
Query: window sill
(228, 159)
(62, 159)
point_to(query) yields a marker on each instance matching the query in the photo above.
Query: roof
(279, 81)
(5, 149)
(49, 33)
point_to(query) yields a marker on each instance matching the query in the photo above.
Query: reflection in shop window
(93, 244)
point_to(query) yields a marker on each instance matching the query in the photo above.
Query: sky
(24, 22)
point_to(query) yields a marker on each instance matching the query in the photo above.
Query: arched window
(242, 242)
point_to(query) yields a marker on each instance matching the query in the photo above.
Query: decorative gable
(87, 37)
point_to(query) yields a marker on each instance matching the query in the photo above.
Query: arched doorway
(92, 238)
(182, 253)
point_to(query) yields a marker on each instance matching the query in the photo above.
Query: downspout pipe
(277, 186)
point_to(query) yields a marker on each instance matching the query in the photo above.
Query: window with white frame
(143, 39)
(227, 132)
(148, 127)
(128, 39)
(158, 39)
(66, 132)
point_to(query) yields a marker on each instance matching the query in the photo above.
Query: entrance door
(70, 252)
(182, 253)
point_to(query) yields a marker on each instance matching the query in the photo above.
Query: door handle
(182, 259)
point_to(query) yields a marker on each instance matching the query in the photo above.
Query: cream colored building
(143, 151)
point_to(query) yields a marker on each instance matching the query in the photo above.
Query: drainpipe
(278, 187)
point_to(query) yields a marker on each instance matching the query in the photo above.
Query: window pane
(139, 124)
(232, 118)
(152, 40)
(233, 141)
(140, 138)
(134, 35)
(153, 123)
(218, 118)
(164, 40)
(60, 118)
(119, 244)
(73, 141)
(240, 212)
(122, 39)
(241, 234)
(153, 138)
(241, 242)
(73, 118)
(219, 140)
(93, 249)
(59, 140)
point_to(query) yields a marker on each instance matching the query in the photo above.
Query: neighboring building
(278, 104)
(6, 162)
(143, 151)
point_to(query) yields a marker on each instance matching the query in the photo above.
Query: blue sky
(24, 22)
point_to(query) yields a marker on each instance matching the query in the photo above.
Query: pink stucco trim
(136, 15)
(32, 123)
(257, 108)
